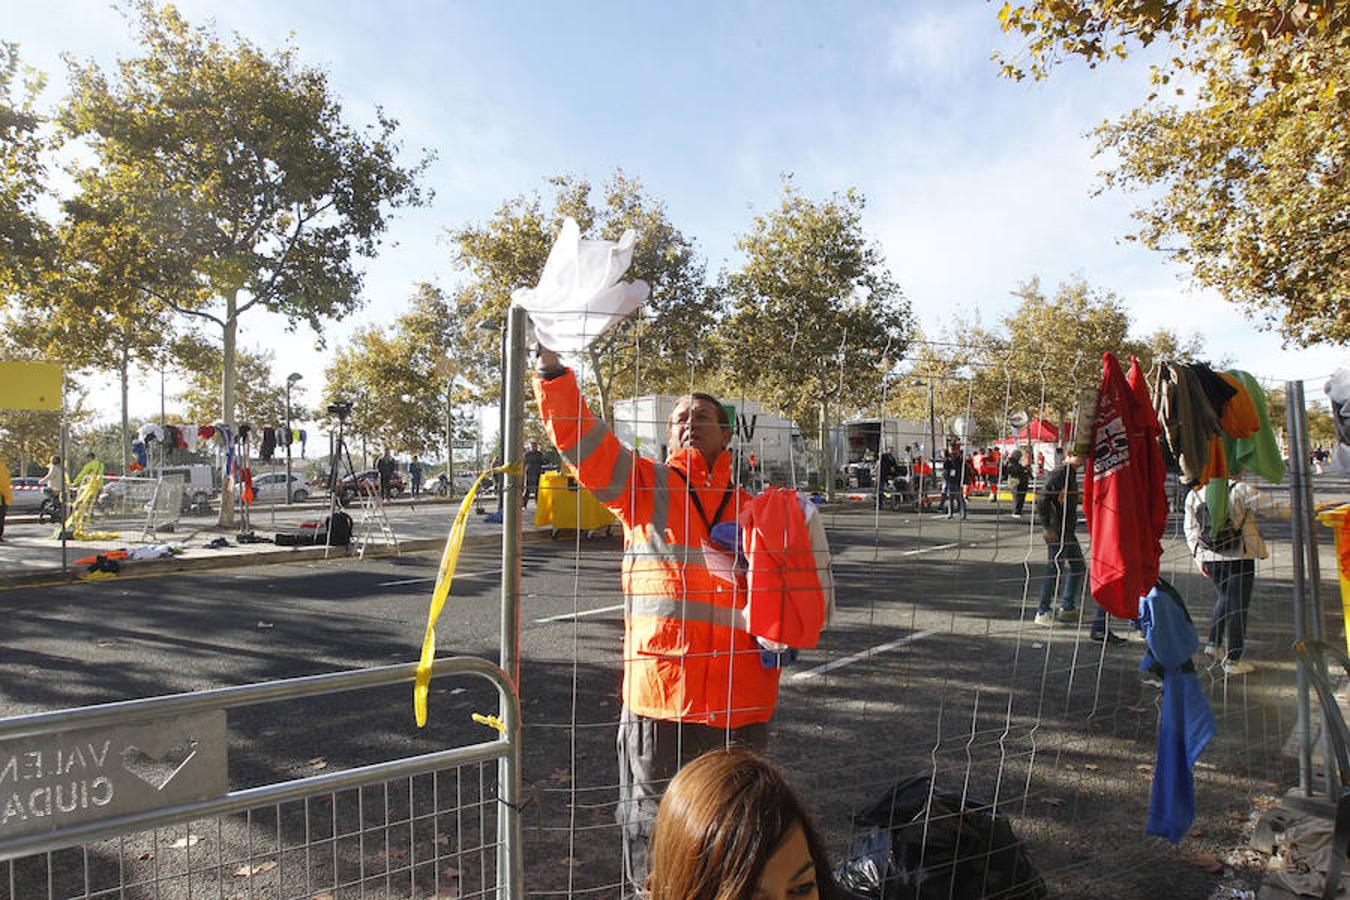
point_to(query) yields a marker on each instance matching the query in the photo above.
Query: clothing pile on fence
(1216, 425)
(194, 437)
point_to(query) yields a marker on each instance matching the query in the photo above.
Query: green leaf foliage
(816, 317)
(1250, 168)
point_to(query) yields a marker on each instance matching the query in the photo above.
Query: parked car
(28, 494)
(368, 482)
(271, 488)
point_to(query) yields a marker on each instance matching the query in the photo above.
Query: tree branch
(181, 309)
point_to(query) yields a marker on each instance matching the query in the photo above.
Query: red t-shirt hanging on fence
(1154, 472)
(1116, 500)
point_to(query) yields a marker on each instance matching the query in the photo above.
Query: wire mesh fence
(935, 666)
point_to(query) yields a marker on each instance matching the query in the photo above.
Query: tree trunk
(126, 424)
(227, 376)
(826, 450)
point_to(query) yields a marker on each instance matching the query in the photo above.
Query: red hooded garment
(786, 604)
(1116, 498)
(1155, 473)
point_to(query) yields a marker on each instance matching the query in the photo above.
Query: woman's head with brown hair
(730, 828)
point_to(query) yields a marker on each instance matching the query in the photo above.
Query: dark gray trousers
(651, 751)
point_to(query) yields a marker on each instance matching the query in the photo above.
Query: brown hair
(721, 819)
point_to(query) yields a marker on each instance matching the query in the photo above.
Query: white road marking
(578, 615)
(459, 576)
(857, 657)
(930, 549)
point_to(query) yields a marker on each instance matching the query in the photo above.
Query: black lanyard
(698, 505)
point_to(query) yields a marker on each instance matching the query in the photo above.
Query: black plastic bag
(921, 843)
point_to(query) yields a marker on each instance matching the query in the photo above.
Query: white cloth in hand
(579, 295)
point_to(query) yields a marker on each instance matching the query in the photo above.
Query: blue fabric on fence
(1186, 724)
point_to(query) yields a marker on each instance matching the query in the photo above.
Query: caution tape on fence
(444, 577)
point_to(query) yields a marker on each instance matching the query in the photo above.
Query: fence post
(1298, 524)
(510, 860)
(1307, 568)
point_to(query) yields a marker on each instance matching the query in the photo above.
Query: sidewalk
(29, 555)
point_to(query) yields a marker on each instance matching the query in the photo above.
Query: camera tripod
(372, 502)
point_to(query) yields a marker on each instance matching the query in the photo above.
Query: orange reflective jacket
(687, 654)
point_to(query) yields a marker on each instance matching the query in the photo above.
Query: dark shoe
(1109, 637)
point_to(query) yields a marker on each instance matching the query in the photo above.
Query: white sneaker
(1237, 667)
(1046, 618)
(1014, 515)
(1211, 650)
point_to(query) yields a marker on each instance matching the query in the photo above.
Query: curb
(150, 568)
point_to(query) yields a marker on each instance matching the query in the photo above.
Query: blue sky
(973, 183)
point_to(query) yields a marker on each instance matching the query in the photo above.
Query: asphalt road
(931, 667)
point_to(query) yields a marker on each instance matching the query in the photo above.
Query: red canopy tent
(1037, 431)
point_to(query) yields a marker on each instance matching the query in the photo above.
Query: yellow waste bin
(1335, 519)
(564, 504)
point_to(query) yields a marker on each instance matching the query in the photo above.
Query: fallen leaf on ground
(322, 896)
(146, 855)
(1204, 861)
(1052, 801)
(251, 869)
(184, 842)
(450, 873)
(392, 853)
(1091, 767)
(443, 840)
(1145, 767)
(318, 762)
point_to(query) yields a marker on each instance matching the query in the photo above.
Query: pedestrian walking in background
(415, 476)
(1017, 473)
(1227, 555)
(6, 496)
(1057, 504)
(954, 479)
(534, 467)
(385, 466)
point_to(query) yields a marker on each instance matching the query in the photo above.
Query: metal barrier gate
(91, 800)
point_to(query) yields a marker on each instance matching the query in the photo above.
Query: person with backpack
(1227, 556)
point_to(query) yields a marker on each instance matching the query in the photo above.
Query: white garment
(1242, 498)
(151, 432)
(579, 295)
(190, 436)
(1338, 392)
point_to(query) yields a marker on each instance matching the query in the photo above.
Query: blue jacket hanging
(1186, 724)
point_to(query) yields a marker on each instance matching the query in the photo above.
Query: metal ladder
(373, 517)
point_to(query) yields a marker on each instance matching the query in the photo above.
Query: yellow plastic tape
(449, 560)
(490, 721)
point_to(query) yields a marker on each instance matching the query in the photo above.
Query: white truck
(781, 455)
(859, 443)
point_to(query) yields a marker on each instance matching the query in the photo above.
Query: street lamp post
(291, 379)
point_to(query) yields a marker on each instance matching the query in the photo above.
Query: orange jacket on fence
(687, 655)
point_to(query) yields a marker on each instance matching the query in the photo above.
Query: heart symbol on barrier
(157, 769)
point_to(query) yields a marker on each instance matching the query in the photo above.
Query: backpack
(1228, 540)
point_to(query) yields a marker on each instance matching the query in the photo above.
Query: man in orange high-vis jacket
(693, 679)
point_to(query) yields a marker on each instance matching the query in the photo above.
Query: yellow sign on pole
(30, 385)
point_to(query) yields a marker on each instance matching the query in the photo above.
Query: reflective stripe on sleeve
(618, 480)
(587, 444)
